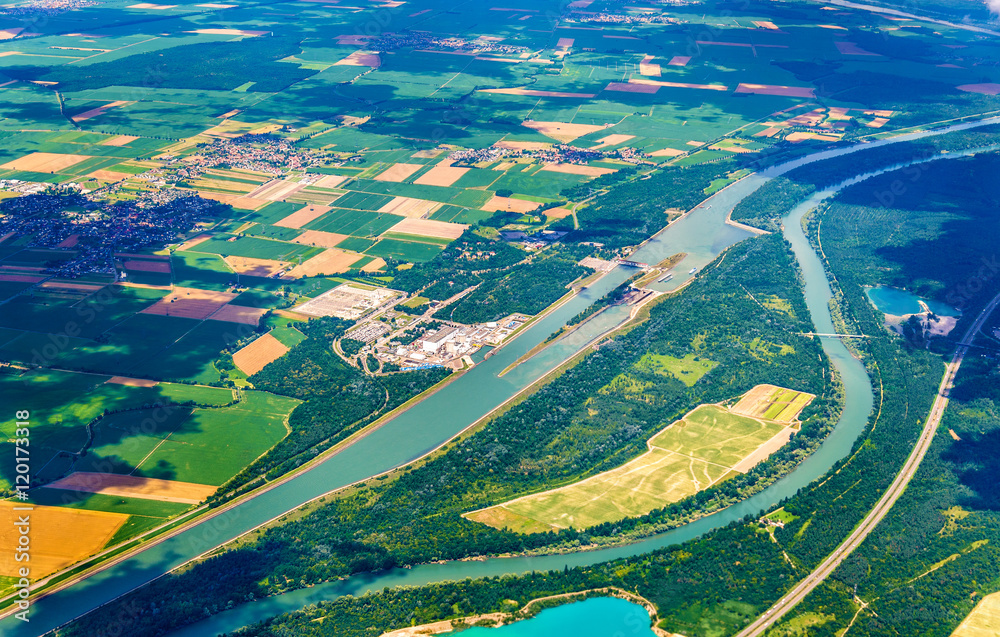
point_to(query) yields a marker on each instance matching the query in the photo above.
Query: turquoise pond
(899, 302)
(595, 617)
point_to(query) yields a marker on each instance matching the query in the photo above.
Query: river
(703, 234)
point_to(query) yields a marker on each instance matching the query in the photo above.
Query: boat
(692, 270)
(666, 277)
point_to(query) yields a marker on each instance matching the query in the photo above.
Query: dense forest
(210, 66)
(764, 208)
(936, 554)
(339, 399)
(633, 211)
(528, 289)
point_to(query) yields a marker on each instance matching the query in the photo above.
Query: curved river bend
(703, 235)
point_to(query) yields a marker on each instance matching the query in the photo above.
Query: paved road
(854, 540)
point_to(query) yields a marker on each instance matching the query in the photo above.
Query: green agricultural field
(404, 250)
(358, 223)
(213, 445)
(257, 298)
(227, 245)
(191, 357)
(62, 403)
(123, 440)
(273, 212)
(134, 342)
(688, 370)
(690, 455)
(289, 336)
(204, 446)
(86, 317)
(198, 270)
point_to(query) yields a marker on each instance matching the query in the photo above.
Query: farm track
(888, 499)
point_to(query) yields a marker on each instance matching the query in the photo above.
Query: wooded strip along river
(703, 235)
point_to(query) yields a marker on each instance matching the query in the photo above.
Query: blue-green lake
(595, 617)
(899, 302)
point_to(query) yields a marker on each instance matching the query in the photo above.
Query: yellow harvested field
(276, 190)
(679, 60)
(7, 34)
(558, 213)
(301, 217)
(409, 207)
(119, 140)
(331, 261)
(612, 140)
(230, 187)
(771, 402)
(427, 154)
(523, 146)
(44, 162)
(374, 266)
(135, 487)
(355, 40)
(67, 286)
(983, 621)
(429, 228)
(319, 238)
(190, 243)
(798, 137)
(507, 203)
(132, 382)
(770, 89)
(878, 122)
(259, 354)
(533, 93)
(764, 451)
(398, 172)
(565, 43)
(146, 265)
(330, 181)
(769, 132)
(239, 314)
(60, 537)
(108, 175)
(100, 110)
(563, 131)
(666, 152)
(236, 201)
(255, 267)
(577, 169)
(444, 174)
(228, 32)
(764, 24)
(647, 68)
(705, 87)
(190, 303)
(361, 58)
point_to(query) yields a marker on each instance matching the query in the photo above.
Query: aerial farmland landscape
(603, 318)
